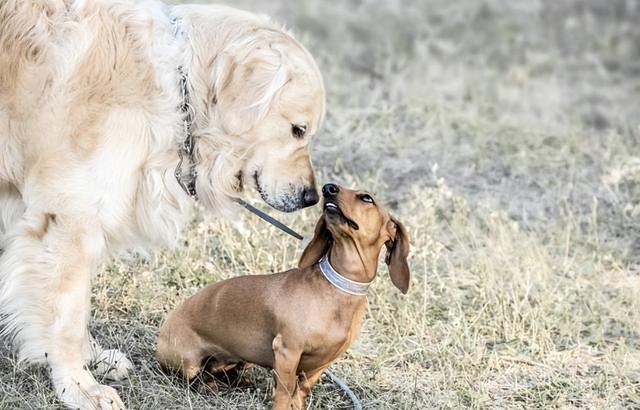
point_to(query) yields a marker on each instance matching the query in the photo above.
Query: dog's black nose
(329, 190)
(310, 196)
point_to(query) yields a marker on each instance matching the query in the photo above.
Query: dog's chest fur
(332, 337)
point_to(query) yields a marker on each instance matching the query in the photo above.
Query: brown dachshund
(299, 321)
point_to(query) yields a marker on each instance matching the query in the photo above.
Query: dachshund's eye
(298, 131)
(366, 198)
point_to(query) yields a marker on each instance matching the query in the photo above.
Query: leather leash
(266, 217)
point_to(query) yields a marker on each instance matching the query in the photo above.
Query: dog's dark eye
(366, 198)
(298, 131)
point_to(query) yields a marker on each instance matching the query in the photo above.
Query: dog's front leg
(70, 340)
(285, 375)
(45, 295)
(307, 381)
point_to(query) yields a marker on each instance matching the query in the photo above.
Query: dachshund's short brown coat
(295, 322)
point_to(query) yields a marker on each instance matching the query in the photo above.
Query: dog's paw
(112, 364)
(78, 395)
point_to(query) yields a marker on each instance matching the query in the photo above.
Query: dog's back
(61, 73)
(214, 321)
(25, 43)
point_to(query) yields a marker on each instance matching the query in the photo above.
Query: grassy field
(506, 136)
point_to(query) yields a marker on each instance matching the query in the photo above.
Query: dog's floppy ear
(397, 253)
(318, 246)
(222, 75)
(245, 89)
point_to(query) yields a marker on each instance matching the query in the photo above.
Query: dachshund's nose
(310, 196)
(329, 190)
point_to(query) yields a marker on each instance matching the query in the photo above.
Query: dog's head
(266, 97)
(354, 216)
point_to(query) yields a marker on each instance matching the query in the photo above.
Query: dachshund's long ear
(318, 246)
(397, 253)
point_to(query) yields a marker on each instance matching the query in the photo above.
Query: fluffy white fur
(89, 130)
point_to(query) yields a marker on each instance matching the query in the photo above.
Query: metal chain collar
(187, 149)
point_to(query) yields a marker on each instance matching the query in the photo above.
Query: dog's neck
(352, 261)
(185, 171)
(186, 150)
(341, 282)
(201, 154)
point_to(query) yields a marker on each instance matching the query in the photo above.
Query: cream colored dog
(91, 137)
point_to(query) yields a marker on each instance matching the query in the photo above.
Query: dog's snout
(310, 196)
(329, 190)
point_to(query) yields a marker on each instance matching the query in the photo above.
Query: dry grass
(505, 135)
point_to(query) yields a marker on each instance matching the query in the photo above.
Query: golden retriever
(91, 135)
